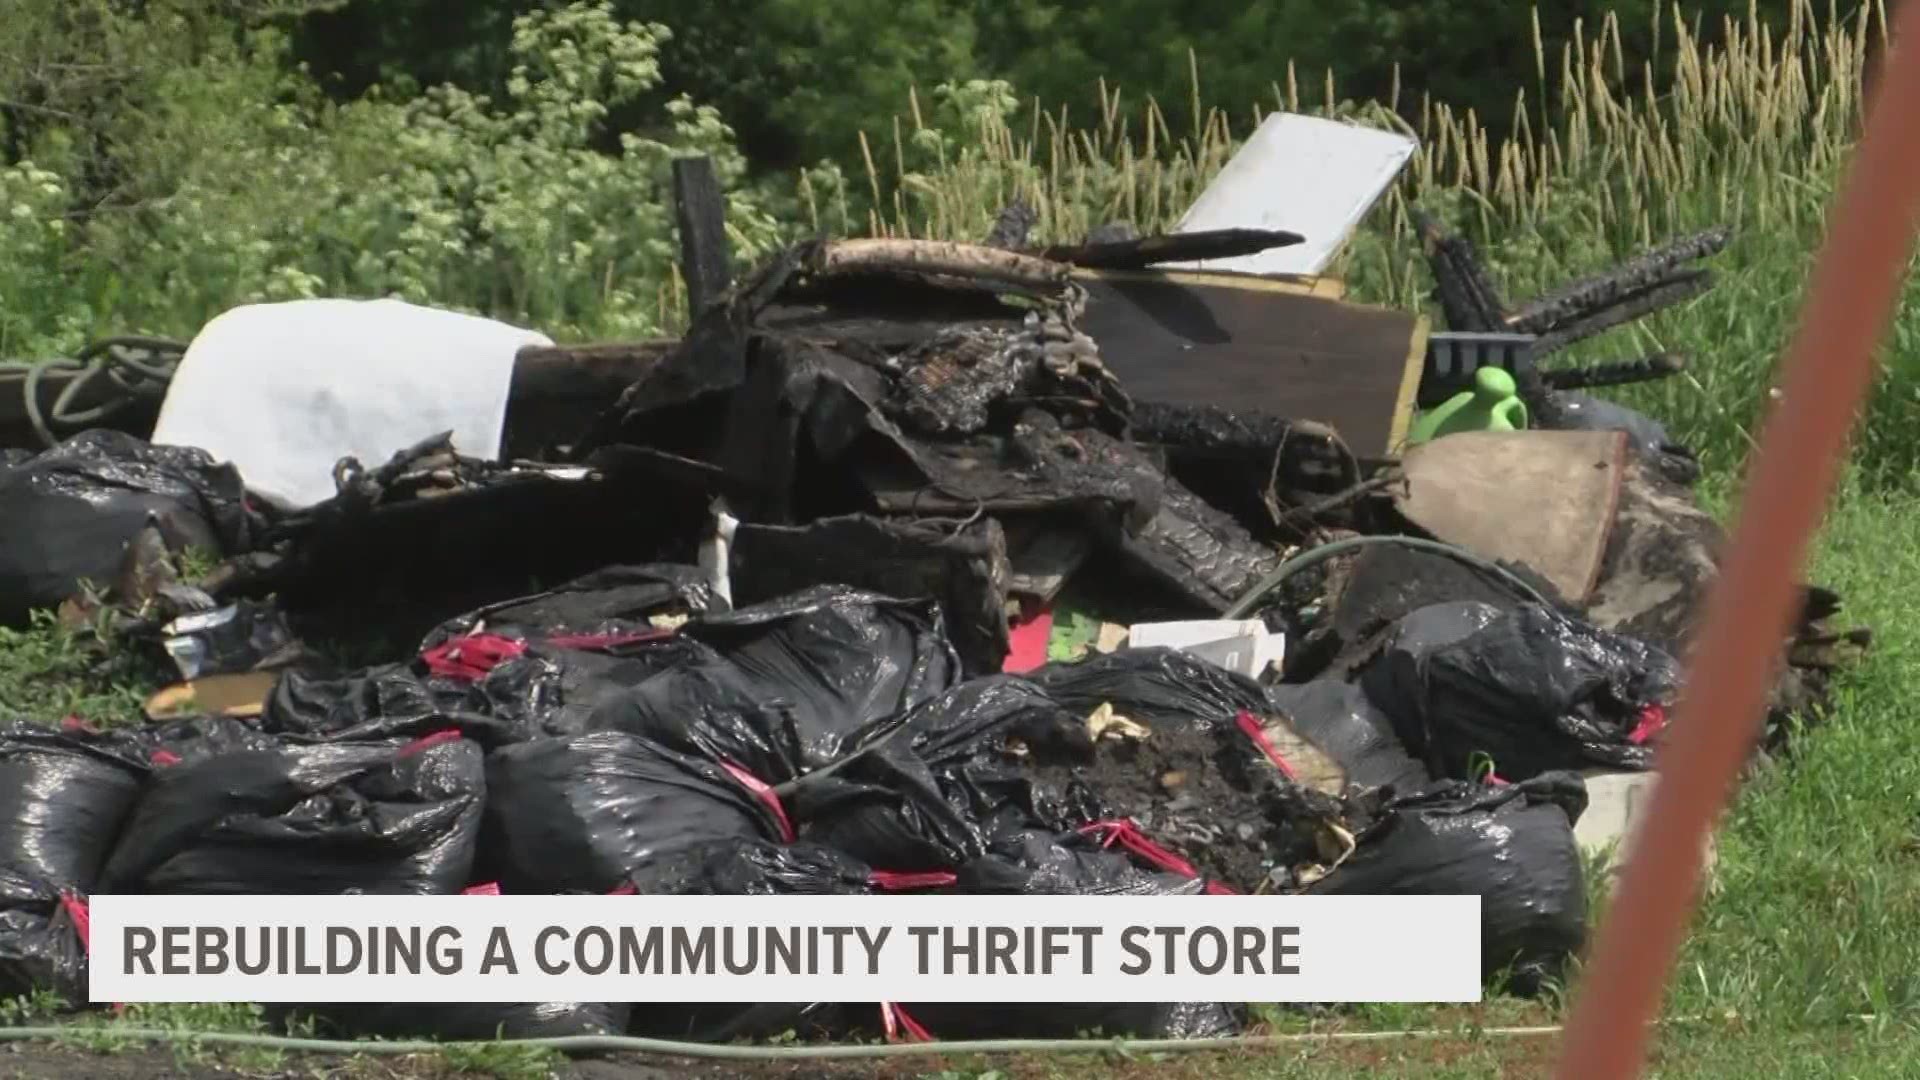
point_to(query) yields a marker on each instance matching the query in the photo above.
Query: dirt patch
(1191, 790)
(46, 1061)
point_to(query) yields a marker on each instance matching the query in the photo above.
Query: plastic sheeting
(284, 391)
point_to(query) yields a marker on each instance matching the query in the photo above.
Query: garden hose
(627, 1044)
(1313, 557)
(136, 368)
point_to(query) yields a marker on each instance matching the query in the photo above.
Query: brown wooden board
(1281, 347)
(1543, 498)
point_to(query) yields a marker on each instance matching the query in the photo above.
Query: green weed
(50, 671)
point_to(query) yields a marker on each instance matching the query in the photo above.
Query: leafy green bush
(251, 186)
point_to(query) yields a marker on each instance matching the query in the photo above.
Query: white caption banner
(505, 949)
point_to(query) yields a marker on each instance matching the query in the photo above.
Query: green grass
(1680, 1054)
(49, 671)
(103, 1032)
(1817, 913)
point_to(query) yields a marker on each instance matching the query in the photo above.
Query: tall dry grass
(1749, 126)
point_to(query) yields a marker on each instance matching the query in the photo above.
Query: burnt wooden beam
(1140, 253)
(700, 210)
(1467, 295)
(553, 372)
(558, 389)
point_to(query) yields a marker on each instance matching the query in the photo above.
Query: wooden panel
(1543, 498)
(1280, 346)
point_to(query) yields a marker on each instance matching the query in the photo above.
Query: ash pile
(912, 567)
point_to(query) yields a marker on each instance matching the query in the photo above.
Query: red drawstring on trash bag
(470, 658)
(1653, 720)
(1128, 835)
(902, 880)
(428, 742)
(895, 1020)
(765, 793)
(1250, 724)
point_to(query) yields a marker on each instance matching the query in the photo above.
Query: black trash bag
(63, 799)
(1338, 718)
(495, 690)
(797, 677)
(585, 813)
(1153, 686)
(1387, 583)
(924, 790)
(386, 702)
(886, 808)
(1511, 845)
(196, 737)
(322, 820)
(41, 950)
(1036, 863)
(1530, 689)
(468, 1022)
(747, 867)
(612, 601)
(1573, 410)
(977, 716)
(70, 512)
(721, 1022)
(752, 867)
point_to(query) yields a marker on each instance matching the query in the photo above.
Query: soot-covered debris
(793, 551)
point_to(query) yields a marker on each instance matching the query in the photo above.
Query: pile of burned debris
(912, 567)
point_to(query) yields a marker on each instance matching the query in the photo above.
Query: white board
(1242, 645)
(283, 391)
(1311, 176)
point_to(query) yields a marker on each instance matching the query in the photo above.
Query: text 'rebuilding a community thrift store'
(752, 948)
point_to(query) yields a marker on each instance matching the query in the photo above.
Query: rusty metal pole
(1830, 367)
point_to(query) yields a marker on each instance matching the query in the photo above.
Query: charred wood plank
(1246, 345)
(940, 262)
(1467, 295)
(1625, 308)
(1138, 254)
(1615, 373)
(700, 209)
(1642, 274)
(584, 372)
(554, 387)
